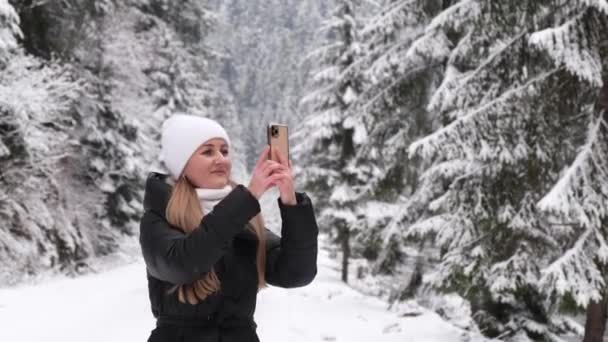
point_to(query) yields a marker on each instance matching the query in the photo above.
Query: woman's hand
(285, 179)
(263, 175)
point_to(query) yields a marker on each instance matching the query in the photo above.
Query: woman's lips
(219, 172)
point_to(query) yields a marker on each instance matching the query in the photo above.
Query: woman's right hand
(262, 177)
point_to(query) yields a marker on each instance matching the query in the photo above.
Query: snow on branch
(399, 80)
(455, 16)
(430, 47)
(464, 125)
(448, 169)
(39, 96)
(333, 23)
(327, 74)
(427, 49)
(486, 64)
(322, 52)
(501, 277)
(581, 192)
(430, 225)
(320, 95)
(571, 49)
(380, 21)
(601, 5)
(9, 27)
(575, 272)
(451, 77)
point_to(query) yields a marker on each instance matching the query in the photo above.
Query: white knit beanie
(182, 134)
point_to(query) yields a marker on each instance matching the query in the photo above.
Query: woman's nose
(220, 157)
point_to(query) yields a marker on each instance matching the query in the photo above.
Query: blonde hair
(184, 212)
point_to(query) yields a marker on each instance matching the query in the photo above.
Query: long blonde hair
(184, 212)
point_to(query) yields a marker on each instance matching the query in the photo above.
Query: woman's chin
(220, 181)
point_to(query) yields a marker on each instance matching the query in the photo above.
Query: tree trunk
(344, 240)
(597, 313)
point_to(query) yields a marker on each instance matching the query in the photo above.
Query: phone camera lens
(274, 131)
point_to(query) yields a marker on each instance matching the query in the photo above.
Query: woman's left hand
(285, 181)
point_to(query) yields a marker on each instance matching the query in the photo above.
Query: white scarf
(210, 197)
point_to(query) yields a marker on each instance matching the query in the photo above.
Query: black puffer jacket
(225, 241)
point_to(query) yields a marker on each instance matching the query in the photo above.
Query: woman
(203, 240)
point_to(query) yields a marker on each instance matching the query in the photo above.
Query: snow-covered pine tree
(163, 46)
(37, 231)
(188, 70)
(579, 200)
(71, 32)
(512, 120)
(109, 163)
(403, 64)
(95, 115)
(9, 30)
(82, 198)
(327, 147)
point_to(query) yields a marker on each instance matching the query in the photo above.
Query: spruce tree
(38, 231)
(402, 65)
(513, 117)
(327, 147)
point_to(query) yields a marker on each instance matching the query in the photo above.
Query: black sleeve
(178, 258)
(291, 259)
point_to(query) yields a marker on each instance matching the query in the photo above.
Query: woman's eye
(210, 152)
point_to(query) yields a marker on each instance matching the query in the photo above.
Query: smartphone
(278, 138)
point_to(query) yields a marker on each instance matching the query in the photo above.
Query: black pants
(169, 330)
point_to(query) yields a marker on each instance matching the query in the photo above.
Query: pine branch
(427, 145)
(387, 13)
(411, 72)
(561, 196)
(321, 51)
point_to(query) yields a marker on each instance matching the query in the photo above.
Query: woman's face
(210, 165)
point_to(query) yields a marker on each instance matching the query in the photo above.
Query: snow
(10, 26)
(342, 194)
(601, 5)
(576, 57)
(456, 16)
(349, 96)
(562, 197)
(4, 151)
(323, 51)
(377, 212)
(434, 46)
(430, 225)
(433, 143)
(576, 273)
(329, 74)
(113, 305)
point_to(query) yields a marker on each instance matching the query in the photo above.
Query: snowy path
(113, 306)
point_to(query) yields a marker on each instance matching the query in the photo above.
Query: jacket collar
(158, 192)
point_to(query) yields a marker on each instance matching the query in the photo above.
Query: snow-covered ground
(113, 306)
